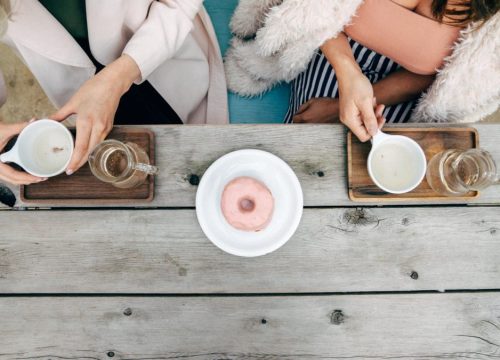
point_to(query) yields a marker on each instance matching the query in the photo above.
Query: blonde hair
(4, 15)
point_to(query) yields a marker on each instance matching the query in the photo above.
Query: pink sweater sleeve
(162, 33)
(415, 42)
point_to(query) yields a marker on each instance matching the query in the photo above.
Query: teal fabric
(270, 107)
(71, 14)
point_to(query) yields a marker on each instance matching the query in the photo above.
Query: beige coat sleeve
(162, 34)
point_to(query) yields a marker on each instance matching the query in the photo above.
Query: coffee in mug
(396, 163)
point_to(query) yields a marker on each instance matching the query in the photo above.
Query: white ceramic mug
(396, 163)
(43, 148)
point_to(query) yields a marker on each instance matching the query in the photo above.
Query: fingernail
(43, 179)
(69, 172)
(31, 120)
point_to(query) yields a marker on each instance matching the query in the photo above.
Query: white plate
(276, 175)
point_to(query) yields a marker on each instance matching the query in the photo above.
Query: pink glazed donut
(247, 204)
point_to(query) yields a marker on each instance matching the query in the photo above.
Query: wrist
(346, 68)
(122, 73)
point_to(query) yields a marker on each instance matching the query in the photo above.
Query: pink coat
(172, 41)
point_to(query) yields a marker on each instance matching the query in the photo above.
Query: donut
(247, 204)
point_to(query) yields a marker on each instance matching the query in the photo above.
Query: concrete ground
(26, 99)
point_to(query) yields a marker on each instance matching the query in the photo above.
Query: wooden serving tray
(83, 187)
(432, 140)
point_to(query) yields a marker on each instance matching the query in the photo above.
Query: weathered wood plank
(165, 251)
(315, 152)
(415, 326)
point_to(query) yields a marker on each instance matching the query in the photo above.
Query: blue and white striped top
(319, 80)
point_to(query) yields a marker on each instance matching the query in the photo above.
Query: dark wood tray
(83, 187)
(432, 140)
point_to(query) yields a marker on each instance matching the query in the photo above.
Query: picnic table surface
(404, 280)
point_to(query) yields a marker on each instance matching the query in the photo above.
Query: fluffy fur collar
(288, 32)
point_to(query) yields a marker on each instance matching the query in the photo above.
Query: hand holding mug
(43, 149)
(358, 107)
(7, 173)
(95, 105)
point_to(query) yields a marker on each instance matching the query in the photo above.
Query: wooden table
(404, 281)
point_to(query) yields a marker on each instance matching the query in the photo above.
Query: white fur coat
(288, 32)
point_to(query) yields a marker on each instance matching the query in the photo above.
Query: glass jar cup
(124, 165)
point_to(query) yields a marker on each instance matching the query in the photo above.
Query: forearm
(121, 73)
(401, 86)
(162, 34)
(396, 88)
(339, 54)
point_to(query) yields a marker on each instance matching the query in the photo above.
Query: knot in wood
(361, 217)
(194, 179)
(337, 317)
(127, 312)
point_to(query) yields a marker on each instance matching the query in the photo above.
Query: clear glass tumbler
(456, 172)
(124, 165)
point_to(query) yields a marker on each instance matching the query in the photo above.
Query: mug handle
(378, 138)
(10, 156)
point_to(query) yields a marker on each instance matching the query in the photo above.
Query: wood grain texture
(317, 153)
(83, 188)
(333, 250)
(415, 326)
(432, 141)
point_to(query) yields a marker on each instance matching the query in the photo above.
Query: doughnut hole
(246, 204)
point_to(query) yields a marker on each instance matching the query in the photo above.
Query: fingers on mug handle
(11, 130)
(379, 110)
(381, 122)
(379, 113)
(16, 128)
(17, 177)
(361, 133)
(369, 119)
(349, 116)
(83, 133)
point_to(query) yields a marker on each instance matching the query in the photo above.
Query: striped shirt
(319, 80)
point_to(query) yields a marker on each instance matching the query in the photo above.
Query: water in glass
(124, 165)
(456, 172)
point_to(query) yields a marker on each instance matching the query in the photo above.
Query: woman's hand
(95, 105)
(7, 173)
(357, 105)
(318, 110)
(356, 99)
(326, 110)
